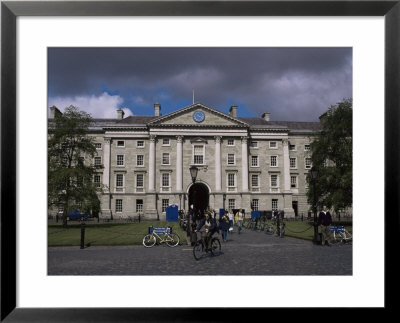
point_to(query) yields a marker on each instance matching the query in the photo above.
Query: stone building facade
(249, 163)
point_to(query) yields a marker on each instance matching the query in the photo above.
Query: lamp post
(313, 176)
(193, 172)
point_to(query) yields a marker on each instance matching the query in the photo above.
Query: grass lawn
(100, 234)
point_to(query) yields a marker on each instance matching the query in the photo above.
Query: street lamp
(193, 173)
(313, 176)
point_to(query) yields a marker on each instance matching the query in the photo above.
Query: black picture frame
(10, 10)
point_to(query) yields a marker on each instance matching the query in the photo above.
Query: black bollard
(82, 235)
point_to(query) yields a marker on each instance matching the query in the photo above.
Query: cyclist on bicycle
(210, 228)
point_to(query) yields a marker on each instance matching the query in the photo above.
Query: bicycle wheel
(215, 247)
(269, 230)
(198, 250)
(172, 239)
(149, 240)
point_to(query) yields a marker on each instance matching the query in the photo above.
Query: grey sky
(293, 84)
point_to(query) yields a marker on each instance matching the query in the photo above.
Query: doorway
(199, 196)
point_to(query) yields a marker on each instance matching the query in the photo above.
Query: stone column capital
(218, 139)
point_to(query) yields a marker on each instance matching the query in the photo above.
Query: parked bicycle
(269, 228)
(339, 235)
(163, 235)
(200, 250)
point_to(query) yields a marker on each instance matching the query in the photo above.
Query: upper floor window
(293, 162)
(139, 160)
(97, 161)
(274, 180)
(231, 142)
(96, 180)
(254, 161)
(140, 143)
(292, 147)
(120, 160)
(120, 143)
(119, 180)
(139, 180)
(274, 161)
(198, 155)
(255, 181)
(254, 144)
(231, 159)
(97, 145)
(165, 142)
(306, 147)
(165, 159)
(293, 181)
(273, 145)
(308, 162)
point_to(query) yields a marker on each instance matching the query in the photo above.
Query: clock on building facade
(198, 116)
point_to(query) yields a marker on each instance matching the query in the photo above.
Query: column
(179, 163)
(106, 163)
(152, 163)
(245, 166)
(217, 163)
(286, 166)
(287, 193)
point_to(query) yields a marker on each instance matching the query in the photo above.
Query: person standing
(325, 220)
(240, 217)
(230, 216)
(224, 225)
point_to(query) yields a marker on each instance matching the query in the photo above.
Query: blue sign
(255, 214)
(171, 213)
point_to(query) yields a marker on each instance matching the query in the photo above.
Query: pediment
(197, 115)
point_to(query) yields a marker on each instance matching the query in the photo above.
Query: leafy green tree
(70, 168)
(332, 155)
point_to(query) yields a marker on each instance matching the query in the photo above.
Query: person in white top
(230, 215)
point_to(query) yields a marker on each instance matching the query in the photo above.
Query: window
(273, 145)
(292, 147)
(165, 159)
(254, 161)
(231, 142)
(164, 205)
(231, 204)
(97, 161)
(165, 142)
(274, 161)
(307, 147)
(139, 206)
(231, 159)
(254, 205)
(140, 143)
(293, 163)
(119, 182)
(254, 144)
(118, 205)
(120, 160)
(231, 180)
(165, 180)
(198, 155)
(139, 180)
(308, 162)
(97, 145)
(274, 204)
(96, 180)
(293, 181)
(139, 160)
(274, 180)
(120, 143)
(254, 181)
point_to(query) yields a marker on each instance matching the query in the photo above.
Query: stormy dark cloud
(296, 84)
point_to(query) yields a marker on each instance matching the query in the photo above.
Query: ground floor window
(254, 205)
(274, 204)
(165, 204)
(231, 204)
(139, 206)
(118, 205)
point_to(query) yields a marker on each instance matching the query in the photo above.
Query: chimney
(157, 109)
(54, 112)
(121, 114)
(233, 111)
(265, 116)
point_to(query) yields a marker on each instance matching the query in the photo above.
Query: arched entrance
(199, 196)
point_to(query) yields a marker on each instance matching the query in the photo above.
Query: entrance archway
(199, 196)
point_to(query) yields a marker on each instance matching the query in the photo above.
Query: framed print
(237, 24)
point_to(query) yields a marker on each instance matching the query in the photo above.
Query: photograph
(200, 161)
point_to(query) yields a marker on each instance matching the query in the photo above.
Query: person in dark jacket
(325, 220)
(210, 226)
(224, 225)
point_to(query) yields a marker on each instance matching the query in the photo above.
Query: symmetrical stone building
(249, 163)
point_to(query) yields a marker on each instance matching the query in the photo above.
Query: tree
(70, 163)
(332, 155)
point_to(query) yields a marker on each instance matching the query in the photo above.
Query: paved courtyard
(250, 253)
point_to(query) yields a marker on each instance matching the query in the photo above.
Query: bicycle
(199, 249)
(339, 235)
(164, 235)
(269, 228)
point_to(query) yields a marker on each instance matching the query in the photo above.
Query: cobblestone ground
(248, 253)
